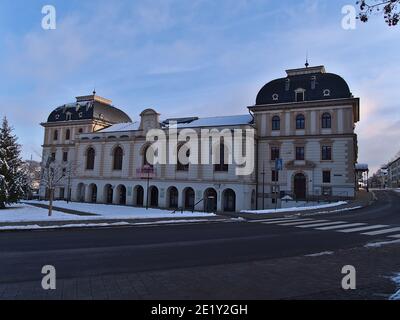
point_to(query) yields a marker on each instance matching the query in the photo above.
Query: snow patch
(324, 253)
(24, 213)
(396, 280)
(292, 209)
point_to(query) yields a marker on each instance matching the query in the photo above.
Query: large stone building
(305, 120)
(393, 173)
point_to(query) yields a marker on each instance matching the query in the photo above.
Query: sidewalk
(362, 200)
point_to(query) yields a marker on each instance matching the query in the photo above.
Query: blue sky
(184, 58)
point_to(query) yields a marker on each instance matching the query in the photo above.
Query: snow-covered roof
(120, 127)
(219, 121)
(223, 121)
(361, 166)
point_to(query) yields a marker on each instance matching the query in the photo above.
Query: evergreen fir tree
(13, 182)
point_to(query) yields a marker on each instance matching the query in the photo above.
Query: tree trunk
(51, 203)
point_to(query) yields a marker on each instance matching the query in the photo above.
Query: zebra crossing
(335, 226)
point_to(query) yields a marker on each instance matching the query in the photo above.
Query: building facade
(303, 125)
(393, 173)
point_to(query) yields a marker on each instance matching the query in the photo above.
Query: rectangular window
(326, 153)
(275, 176)
(326, 177)
(299, 96)
(275, 153)
(65, 156)
(53, 156)
(299, 153)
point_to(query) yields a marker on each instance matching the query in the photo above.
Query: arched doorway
(229, 197)
(121, 195)
(154, 197)
(81, 192)
(93, 193)
(108, 194)
(300, 186)
(139, 192)
(173, 198)
(210, 200)
(189, 198)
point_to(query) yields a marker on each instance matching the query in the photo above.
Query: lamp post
(263, 186)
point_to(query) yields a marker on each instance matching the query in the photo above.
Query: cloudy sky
(197, 57)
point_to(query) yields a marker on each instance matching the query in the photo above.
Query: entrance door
(210, 201)
(300, 186)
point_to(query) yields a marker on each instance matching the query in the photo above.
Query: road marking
(282, 221)
(306, 221)
(397, 236)
(342, 226)
(276, 219)
(375, 233)
(378, 226)
(321, 224)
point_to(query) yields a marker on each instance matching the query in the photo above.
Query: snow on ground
(396, 280)
(324, 253)
(295, 209)
(120, 212)
(26, 213)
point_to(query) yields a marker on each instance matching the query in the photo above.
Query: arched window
(222, 164)
(55, 135)
(118, 158)
(276, 123)
(326, 121)
(68, 134)
(300, 122)
(90, 157)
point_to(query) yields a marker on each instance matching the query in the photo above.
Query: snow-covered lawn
(25, 213)
(296, 209)
(119, 212)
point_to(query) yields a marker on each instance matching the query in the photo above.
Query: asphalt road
(81, 253)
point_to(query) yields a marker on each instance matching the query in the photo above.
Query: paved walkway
(302, 277)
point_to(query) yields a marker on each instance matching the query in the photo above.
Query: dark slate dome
(314, 81)
(88, 108)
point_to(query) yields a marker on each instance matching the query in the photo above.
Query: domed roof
(313, 81)
(88, 108)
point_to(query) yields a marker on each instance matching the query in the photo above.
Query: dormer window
(80, 114)
(275, 97)
(287, 84)
(68, 116)
(313, 82)
(299, 94)
(327, 93)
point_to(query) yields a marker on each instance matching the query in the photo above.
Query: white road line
(265, 220)
(321, 224)
(378, 226)
(397, 236)
(342, 226)
(375, 233)
(306, 221)
(282, 221)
